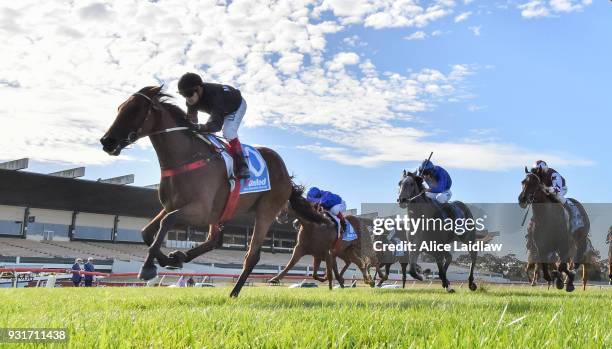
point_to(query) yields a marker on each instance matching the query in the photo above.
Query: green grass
(277, 317)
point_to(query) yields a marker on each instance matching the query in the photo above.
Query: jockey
(226, 108)
(554, 183)
(329, 201)
(438, 181)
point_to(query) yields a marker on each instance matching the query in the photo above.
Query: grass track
(277, 317)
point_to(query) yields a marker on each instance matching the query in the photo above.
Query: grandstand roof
(27, 189)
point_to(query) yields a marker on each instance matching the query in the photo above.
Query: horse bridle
(136, 135)
(530, 198)
(412, 198)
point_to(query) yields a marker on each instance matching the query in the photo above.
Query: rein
(416, 196)
(173, 171)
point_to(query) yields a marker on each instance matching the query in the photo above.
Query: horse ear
(404, 174)
(526, 170)
(156, 90)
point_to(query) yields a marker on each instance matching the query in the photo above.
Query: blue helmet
(313, 193)
(427, 165)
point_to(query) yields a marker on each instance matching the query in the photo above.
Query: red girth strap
(232, 202)
(169, 172)
(232, 199)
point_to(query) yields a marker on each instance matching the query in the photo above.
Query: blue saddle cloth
(260, 176)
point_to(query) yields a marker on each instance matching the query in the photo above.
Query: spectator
(89, 267)
(76, 272)
(190, 282)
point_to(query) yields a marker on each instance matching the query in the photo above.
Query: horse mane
(178, 114)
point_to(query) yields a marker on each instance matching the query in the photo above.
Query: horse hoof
(147, 273)
(450, 290)
(473, 287)
(274, 281)
(176, 259)
(559, 283)
(570, 287)
(610, 283)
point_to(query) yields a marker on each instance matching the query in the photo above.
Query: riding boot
(240, 159)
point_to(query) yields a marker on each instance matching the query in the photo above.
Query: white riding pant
(561, 195)
(442, 197)
(232, 122)
(339, 208)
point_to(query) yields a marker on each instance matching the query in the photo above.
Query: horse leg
(545, 273)
(610, 271)
(448, 258)
(177, 258)
(297, 254)
(473, 256)
(148, 270)
(442, 274)
(263, 221)
(585, 276)
(316, 263)
(149, 231)
(404, 265)
(347, 263)
(536, 275)
(385, 276)
(413, 266)
(361, 265)
(329, 261)
(569, 286)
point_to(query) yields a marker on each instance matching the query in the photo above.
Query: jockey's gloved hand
(195, 127)
(552, 190)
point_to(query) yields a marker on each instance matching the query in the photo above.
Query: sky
(349, 92)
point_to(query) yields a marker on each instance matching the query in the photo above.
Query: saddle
(347, 234)
(576, 214)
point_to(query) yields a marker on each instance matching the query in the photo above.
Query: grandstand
(47, 221)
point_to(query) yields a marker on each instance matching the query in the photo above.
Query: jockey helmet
(188, 83)
(540, 166)
(314, 192)
(426, 166)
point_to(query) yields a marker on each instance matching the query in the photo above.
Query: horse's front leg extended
(148, 270)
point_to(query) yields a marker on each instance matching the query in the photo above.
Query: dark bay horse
(412, 197)
(317, 240)
(551, 232)
(196, 196)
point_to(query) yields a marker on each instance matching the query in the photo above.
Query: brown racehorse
(551, 231)
(195, 197)
(317, 240)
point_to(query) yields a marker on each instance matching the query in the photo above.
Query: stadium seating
(125, 251)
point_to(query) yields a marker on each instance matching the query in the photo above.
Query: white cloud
(419, 35)
(436, 33)
(70, 65)
(387, 13)
(544, 8)
(475, 30)
(354, 41)
(462, 17)
(343, 59)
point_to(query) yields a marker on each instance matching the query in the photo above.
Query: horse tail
(302, 207)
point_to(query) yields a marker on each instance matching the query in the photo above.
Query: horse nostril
(108, 143)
